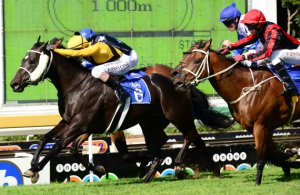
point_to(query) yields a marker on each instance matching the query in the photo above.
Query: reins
(245, 90)
(73, 88)
(202, 68)
(47, 69)
(205, 64)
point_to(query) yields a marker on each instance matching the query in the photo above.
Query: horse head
(192, 67)
(33, 67)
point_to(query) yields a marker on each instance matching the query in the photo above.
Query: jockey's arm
(269, 46)
(90, 51)
(245, 41)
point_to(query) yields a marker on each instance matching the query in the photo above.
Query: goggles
(227, 23)
(251, 26)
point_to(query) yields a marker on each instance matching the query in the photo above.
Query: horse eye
(197, 61)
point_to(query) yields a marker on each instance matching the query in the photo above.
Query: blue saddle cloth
(294, 73)
(138, 90)
(134, 74)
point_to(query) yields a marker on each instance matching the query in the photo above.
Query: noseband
(39, 66)
(201, 68)
(204, 65)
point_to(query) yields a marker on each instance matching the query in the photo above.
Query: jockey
(278, 46)
(230, 17)
(108, 60)
(92, 37)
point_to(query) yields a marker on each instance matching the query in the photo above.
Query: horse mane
(73, 60)
(37, 45)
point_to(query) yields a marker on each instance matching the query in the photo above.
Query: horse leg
(263, 144)
(55, 132)
(118, 138)
(89, 166)
(201, 147)
(278, 158)
(155, 138)
(179, 170)
(66, 138)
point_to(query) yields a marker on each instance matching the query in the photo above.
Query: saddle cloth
(139, 94)
(294, 73)
(138, 90)
(134, 74)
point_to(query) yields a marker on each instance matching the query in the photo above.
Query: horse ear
(61, 40)
(210, 40)
(207, 45)
(199, 44)
(39, 38)
(58, 43)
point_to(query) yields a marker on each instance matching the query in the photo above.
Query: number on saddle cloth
(293, 71)
(138, 90)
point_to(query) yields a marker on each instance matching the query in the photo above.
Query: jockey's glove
(224, 50)
(239, 58)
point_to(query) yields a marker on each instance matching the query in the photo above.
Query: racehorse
(87, 106)
(253, 97)
(211, 118)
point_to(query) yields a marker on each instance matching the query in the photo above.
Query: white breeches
(119, 67)
(133, 58)
(289, 56)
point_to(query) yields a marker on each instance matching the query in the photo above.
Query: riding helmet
(77, 42)
(254, 16)
(87, 33)
(229, 13)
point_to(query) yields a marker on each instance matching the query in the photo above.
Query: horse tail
(204, 112)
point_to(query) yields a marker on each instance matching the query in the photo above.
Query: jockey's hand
(224, 50)
(239, 58)
(50, 47)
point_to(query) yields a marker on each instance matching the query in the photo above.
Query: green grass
(232, 182)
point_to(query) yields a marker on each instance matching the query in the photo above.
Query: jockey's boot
(289, 86)
(122, 94)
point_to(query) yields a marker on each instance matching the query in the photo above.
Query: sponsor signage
(11, 170)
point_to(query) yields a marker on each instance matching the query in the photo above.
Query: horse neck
(64, 73)
(230, 83)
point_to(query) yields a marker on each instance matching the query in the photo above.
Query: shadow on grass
(292, 177)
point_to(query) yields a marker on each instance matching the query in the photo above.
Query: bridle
(204, 65)
(45, 70)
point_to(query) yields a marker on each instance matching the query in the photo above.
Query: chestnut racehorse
(253, 97)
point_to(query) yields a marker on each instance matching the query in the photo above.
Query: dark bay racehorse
(253, 97)
(87, 106)
(208, 116)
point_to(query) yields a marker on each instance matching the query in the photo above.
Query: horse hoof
(148, 178)
(217, 173)
(35, 178)
(100, 170)
(179, 172)
(287, 171)
(28, 173)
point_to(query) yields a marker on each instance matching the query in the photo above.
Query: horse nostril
(14, 85)
(179, 84)
(174, 74)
